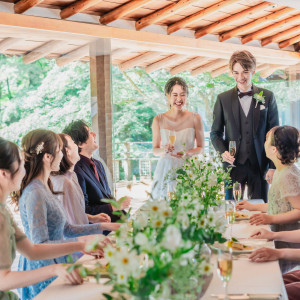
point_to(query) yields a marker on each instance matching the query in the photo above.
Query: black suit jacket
(226, 123)
(93, 189)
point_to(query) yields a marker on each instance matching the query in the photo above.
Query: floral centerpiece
(199, 190)
(161, 256)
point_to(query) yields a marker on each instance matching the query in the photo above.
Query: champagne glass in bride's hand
(232, 150)
(225, 268)
(172, 137)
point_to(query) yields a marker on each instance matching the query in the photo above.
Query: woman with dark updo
(283, 210)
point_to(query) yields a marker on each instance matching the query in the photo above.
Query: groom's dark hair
(244, 58)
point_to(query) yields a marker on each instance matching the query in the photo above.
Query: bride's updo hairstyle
(287, 141)
(9, 154)
(34, 145)
(175, 81)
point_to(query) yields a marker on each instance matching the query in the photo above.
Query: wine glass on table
(237, 191)
(172, 137)
(225, 268)
(232, 150)
(230, 215)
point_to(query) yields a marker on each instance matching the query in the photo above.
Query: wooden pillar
(101, 98)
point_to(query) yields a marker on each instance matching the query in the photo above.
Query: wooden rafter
(259, 34)
(122, 11)
(289, 42)
(269, 71)
(139, 60)
(209, 67)
(24, 5)
(219, 71)
(218, 25)
(73, 55)
(281, 36)
(163, 13)
(137, 40)
(8, 43)
(120, 52)
(189, 65)
(199, 15)
(297, 47)
(42, 51)
(77, 7)
(262, 67)
(164, 63)
(258, 22)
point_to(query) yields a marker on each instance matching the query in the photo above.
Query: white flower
(140, 239)
(126, 262)
(109, 253)
(172, 239)
(212, 180)
(122, 277)
(141, 221)
(206, 268)
(157, 223)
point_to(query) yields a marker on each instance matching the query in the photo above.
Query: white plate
(256, 244)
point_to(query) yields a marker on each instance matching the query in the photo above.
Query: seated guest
(67, 182)
(291, 279)
(42, 214)
(90, 172)
(283, 209)
(12, 238)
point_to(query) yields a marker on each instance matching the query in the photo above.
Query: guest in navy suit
(90, 172)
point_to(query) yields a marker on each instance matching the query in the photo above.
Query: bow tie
(241, 95)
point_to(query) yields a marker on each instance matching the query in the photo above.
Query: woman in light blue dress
(42, 214)
(12, 238)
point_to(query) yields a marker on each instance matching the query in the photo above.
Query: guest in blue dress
(42, 214)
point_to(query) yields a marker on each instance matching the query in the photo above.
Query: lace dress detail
(44, 221)
(10, 234)
(167, 164)
(286, 183)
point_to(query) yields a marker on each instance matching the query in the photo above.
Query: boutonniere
(259, 97)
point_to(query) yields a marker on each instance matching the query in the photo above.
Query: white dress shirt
(246, 102)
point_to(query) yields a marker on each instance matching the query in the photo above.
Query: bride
(176, 133)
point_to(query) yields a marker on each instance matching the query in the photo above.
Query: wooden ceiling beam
(259, 34)
(122, 11)
(189, 65)
(297, 47)
(23, 5)
(281, 36)
(73, 55)
(258, 22)
(210, 66)
(77, 7)
(206, 12)
(219, 71)
(164, 63)
(289, 42)
(269, 71)
(262, 67)
(163, 13)
(219, 24)
(8, 43)
(42, 51)
(139, 60)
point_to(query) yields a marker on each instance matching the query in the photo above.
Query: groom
(245, 117)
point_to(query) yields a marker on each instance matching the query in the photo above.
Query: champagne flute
(171, 187)
(232, 150)
(172, 137)
(225, 268)
(237, 191)
(230, 215)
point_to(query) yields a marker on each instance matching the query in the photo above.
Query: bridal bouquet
(159, 256)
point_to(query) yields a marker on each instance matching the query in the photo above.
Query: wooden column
(101, 98)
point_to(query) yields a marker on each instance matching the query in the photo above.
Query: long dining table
(249, 280)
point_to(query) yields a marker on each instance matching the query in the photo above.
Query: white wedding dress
(167, 164)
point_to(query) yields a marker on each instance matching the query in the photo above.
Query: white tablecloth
(247, 277)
